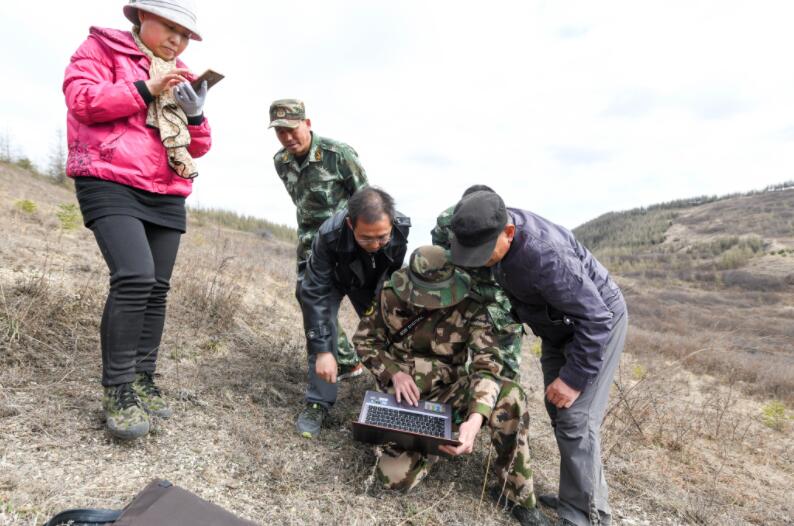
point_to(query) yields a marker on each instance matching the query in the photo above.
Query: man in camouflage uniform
(320, 175)
(508, 329)
(452, 356)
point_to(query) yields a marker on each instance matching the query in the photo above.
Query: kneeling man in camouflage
(450, 355)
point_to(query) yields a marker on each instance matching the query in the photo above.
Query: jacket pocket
(547, 323)
(108, 146)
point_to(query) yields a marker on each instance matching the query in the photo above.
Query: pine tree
(57, 160)
(5, 147)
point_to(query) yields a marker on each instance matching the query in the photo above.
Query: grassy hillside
(712, 281)
(680, 447)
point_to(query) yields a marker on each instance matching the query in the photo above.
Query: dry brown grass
(680, 448)
(740, 335)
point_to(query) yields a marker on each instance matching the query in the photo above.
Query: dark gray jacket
(338, 267)
(562, 292)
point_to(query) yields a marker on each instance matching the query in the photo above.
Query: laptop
(383, 420)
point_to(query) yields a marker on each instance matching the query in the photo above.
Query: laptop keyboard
(405, 421)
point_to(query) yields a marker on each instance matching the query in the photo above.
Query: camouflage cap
(287, 113)
(431, 281)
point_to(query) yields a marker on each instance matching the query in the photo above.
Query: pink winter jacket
(106, 123)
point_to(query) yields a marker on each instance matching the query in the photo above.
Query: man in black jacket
(353, 252)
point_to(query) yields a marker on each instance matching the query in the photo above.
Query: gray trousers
(583, 489)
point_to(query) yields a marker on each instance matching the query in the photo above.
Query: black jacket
(338, 267)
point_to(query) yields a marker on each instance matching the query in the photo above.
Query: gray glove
(192, 103)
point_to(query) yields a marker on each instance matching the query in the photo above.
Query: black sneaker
(311, 420)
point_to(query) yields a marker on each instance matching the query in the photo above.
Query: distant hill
(768, 212)
(711, 275)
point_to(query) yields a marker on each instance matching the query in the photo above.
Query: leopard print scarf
(165, 114)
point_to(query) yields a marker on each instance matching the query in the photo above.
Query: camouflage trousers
(509, 428)
(345, 354)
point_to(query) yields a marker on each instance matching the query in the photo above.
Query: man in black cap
(570, 302)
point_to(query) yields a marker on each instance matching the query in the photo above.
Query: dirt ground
(680, 448)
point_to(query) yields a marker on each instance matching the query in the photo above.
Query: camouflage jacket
(329, 175)
(484, 285)
(449, 344)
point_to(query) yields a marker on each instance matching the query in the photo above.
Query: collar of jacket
(315, 152)
(518, 239)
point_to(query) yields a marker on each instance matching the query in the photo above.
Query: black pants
(140, 257)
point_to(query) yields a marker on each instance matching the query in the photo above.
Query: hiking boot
(525, 516)
(549, 500)
(125, 416)
(311, 420)
(349, 371)
(150, 395)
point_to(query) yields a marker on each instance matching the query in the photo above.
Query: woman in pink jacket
(135, 126)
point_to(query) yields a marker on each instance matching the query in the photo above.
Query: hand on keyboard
(405, 387)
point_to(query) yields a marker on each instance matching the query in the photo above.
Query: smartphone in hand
(212, 78)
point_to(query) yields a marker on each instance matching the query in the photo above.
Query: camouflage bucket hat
(431, 281)
(287, 113)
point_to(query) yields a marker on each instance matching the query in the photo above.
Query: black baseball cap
(476, 188)
(478, 220)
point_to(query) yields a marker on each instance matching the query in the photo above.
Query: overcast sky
(567, 108)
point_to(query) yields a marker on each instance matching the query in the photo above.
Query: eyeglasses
(366, 240)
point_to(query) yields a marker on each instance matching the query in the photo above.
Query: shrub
(25, 163)
(736, 257)
(213, 297)
(69, 216)
(751, 282)
(773, 415)
(26, 205)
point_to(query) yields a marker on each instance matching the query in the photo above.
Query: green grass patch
(27, 206)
